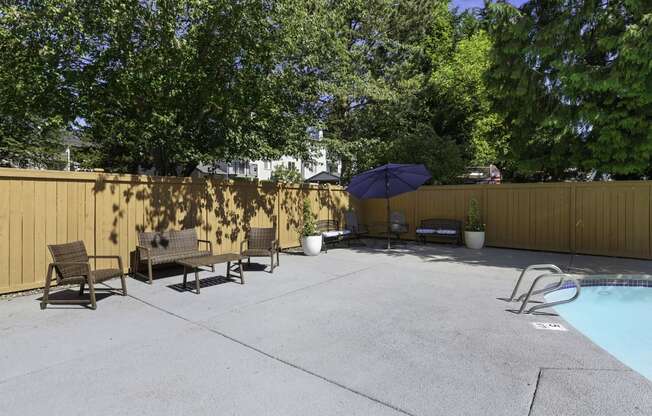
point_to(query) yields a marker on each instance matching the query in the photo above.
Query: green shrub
(309, 220)
(473, 219)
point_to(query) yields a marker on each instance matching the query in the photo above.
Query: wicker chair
(398, 225)
(352, 224)
(261, 242)
(72, 266)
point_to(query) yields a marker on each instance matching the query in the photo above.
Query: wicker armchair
(352, 224)
(72, 266)
(261, 242)
(398, 225)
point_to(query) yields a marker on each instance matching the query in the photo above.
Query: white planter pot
(311, 245)
(474, 239)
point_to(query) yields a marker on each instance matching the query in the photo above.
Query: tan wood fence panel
(108, 211)
(613, 219)
(590, 218)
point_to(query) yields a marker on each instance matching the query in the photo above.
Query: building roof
(323, 177)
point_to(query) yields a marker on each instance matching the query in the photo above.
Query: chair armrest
(141, 248)
(210, 244)
(242, 244)
(275, 245)
(109, 257)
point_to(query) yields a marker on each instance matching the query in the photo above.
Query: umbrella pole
(389, 226)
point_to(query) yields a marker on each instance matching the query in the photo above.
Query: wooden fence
(600, 218)
(107, 211)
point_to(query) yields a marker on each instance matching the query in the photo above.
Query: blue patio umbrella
(387, 181)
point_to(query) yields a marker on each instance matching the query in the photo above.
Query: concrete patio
(358, 331)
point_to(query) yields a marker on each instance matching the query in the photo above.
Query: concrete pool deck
(358, 331)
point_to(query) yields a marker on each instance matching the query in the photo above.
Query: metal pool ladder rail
(549, 267)
(563, 278)
(560, 277)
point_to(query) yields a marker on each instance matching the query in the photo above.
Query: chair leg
(91, 291)
(242, 279)
(272, 262)
(81, 289)
(149, 270)
(124, 284)
(278, 258)
(46, 290)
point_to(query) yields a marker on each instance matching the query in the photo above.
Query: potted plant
(474, 228)
(310, 239)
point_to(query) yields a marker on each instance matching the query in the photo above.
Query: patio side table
(204, 261)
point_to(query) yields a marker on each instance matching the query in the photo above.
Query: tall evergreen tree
(573, 81)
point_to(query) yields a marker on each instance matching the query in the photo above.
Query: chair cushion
(335, 233)
(426, 231)
(444, 231)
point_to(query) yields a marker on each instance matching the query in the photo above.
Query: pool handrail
(549, 267)
(564, 278)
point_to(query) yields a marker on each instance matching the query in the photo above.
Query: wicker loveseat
(167, 247)
(441, 230)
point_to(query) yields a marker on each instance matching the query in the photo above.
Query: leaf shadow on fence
(222, 211)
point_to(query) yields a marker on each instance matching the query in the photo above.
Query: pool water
(617, 318)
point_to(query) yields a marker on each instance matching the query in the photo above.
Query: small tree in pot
(310, 238)
(474, 228)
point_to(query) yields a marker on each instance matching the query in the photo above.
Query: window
(292, 166)
(267, 164)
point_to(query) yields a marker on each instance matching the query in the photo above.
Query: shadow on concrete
(203, 283)
(101, 293)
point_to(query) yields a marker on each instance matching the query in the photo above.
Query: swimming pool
(618, 318)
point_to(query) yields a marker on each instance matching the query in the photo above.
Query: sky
(465, 4)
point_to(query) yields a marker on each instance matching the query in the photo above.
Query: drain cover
(551, 326)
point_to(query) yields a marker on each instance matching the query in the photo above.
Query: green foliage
(474, 219)
(309, 227)
(573, 83)
(286, 174)
(36, 103)
(161, 84)
(408, 87)
(167, 84)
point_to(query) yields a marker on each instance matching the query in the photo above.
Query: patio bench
(440, 229)
(167, 247)
(331, 233)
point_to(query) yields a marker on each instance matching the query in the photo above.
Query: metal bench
(331, 233)
(440, 230)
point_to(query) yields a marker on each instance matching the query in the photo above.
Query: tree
(161, 84)
(406, 85)
(173, 83)
(283, 174)
(37, 102)
(574, 85)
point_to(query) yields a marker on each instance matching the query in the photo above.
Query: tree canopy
(541, 90)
